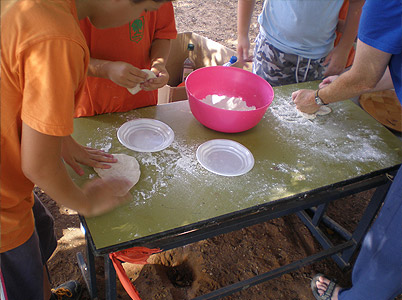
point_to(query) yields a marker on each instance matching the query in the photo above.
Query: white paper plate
(145, 135)
(225, 157)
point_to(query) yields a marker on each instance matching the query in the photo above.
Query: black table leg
(110, 279)
(88, 270)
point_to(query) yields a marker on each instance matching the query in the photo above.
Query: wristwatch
(318, 100)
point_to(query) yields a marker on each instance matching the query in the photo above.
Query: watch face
(318, 101)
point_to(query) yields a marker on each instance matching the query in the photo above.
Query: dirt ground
(201, 267)
(198, 268)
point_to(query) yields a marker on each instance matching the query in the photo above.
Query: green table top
(292, 155)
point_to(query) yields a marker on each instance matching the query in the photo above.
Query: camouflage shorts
(279, 68)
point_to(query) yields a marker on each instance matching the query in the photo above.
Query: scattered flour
(228, 103)
(325, 137)
(172, 166)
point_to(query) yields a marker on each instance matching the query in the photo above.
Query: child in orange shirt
(117, 57)
(44, 59)
(339, 30)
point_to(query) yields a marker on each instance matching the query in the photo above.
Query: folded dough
(134, 90)
(126, 167)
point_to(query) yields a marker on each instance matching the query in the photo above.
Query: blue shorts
(22, 267)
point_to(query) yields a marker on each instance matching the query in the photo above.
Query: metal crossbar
(316, 202)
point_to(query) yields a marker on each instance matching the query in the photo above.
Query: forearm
(160, 50)
(98, 68)
(42, 164)
(245, 10)
(346, 86)
(56, 182)
(351, 25)
(385, 83)
(368, 73)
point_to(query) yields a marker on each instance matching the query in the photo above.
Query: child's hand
(103, 195)
(162, 78)
(243, 48)
(335, 61)
(74, 154)
(124, 74)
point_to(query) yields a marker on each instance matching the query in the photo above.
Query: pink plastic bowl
(231, 82)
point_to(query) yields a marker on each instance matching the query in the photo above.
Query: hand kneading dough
(137, 88)
(126, 167)
(324, 110)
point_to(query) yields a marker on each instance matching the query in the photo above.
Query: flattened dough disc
(324, 110)
(126, 167)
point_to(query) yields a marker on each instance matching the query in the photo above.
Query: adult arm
(337, 58)
(385, 82)
(245, 10)
(367, 70)
(41, 163)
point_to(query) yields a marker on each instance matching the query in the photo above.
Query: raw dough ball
(134, 90)
(126, 167)
(324, 110)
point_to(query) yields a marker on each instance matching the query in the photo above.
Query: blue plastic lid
(233, 59)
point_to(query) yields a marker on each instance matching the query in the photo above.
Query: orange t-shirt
(44, 61)
(342, 15)
(129, 43)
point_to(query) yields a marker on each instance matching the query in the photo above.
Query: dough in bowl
(126, 167)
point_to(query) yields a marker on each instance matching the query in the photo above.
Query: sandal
(328, 292)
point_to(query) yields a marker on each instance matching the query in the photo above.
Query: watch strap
(318, 100)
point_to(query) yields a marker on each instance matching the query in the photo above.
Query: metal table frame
(314, 202)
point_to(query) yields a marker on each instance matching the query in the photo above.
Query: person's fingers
(153, 84)
(76, 167)
(327, 72)
(102, 158)
(295, 94)
(325, 82)
(93, 150)
(326, 60)
(246, 56)
(138, 73)
(98, 164)
(95, 161)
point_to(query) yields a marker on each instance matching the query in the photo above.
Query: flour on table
(228, 103)
(126, 167)
(324, 110)
(286, 110)
(134, 90)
